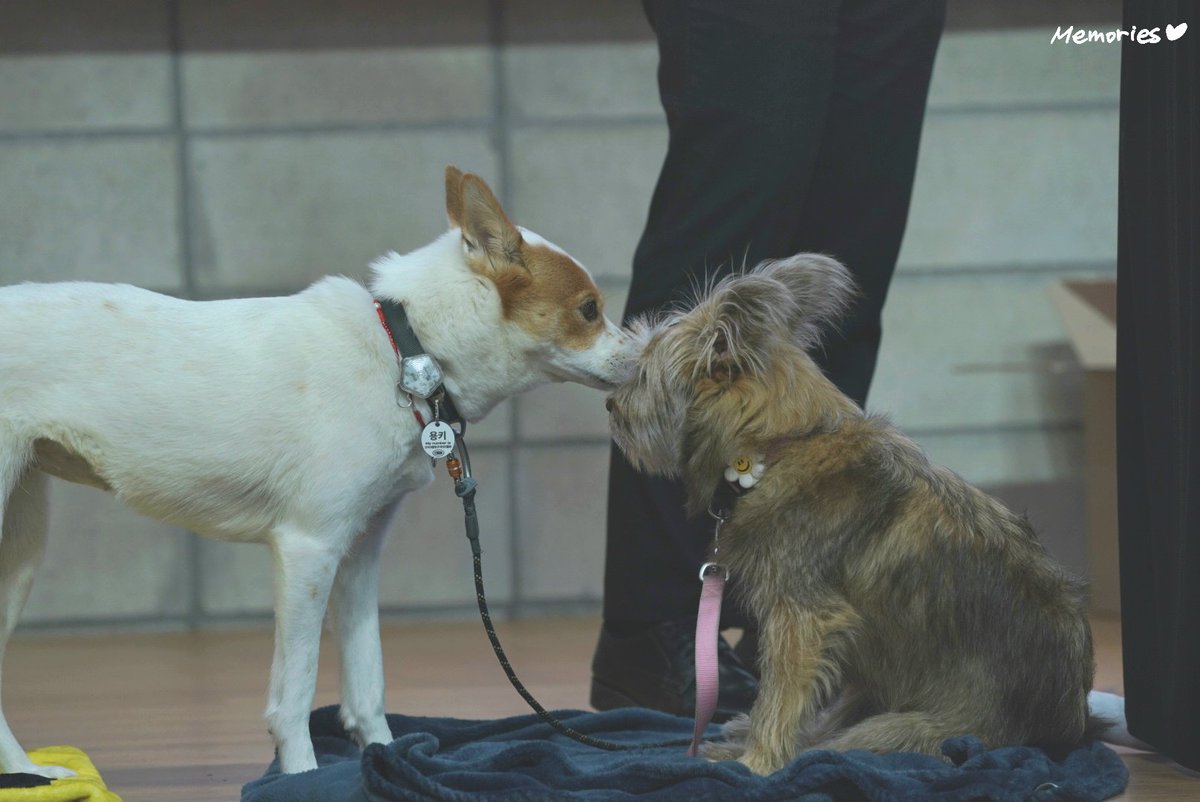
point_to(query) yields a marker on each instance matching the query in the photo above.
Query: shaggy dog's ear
(739, 322)
(744, 314)
(821, 289)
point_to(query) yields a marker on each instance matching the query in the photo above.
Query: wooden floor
(178, 717)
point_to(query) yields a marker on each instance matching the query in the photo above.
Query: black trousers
(794, 127)
(1158, 381)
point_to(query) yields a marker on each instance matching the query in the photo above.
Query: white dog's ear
(821, 289)
(492, 242)
(454, 202)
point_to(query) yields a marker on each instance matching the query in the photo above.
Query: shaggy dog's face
(647, 413)
(729, 355)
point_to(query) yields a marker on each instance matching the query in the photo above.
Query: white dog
(279, 420)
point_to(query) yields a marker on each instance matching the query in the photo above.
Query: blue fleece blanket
(522, 759)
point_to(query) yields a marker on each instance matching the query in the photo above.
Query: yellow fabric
(86, 786)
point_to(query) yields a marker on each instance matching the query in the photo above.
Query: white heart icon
(1176, 31)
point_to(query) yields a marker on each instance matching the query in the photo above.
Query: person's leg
(813, 151)
(744, 86)
(857, 201)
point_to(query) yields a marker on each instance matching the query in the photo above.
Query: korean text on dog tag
(437, 438)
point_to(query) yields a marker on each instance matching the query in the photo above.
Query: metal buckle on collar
(708, 568)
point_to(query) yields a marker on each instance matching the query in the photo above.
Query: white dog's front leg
(356, 616)
(304, 571)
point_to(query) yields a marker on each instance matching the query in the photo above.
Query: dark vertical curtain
(1158, 378)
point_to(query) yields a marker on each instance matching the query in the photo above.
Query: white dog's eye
(589, 310)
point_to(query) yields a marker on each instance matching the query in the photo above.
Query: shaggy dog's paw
(761, 763)
(733, 740)
(737, 728)
(722, 750)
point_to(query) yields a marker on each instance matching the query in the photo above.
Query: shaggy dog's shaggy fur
(898, 605)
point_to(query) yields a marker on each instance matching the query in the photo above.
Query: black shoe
(654, 667)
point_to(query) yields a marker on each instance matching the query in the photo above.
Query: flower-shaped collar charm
(746, 470)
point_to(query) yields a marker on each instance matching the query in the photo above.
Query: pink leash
(708, 623)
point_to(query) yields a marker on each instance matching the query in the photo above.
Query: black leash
(421, 376)
(464, 488)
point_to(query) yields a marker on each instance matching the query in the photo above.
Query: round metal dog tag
(437, 438)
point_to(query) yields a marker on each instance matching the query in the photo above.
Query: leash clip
(720, 517)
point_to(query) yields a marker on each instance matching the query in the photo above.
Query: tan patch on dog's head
(543, 290)
(560, 302)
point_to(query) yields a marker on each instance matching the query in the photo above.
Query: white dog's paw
(296, 758)
(366, 730)
(374, 735)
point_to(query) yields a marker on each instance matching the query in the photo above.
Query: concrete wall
(211, 149)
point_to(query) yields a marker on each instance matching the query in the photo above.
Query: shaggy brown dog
(898, 605)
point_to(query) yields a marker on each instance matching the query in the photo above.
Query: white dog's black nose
(608, 404)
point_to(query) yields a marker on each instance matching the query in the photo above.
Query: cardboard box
(1089, 314)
